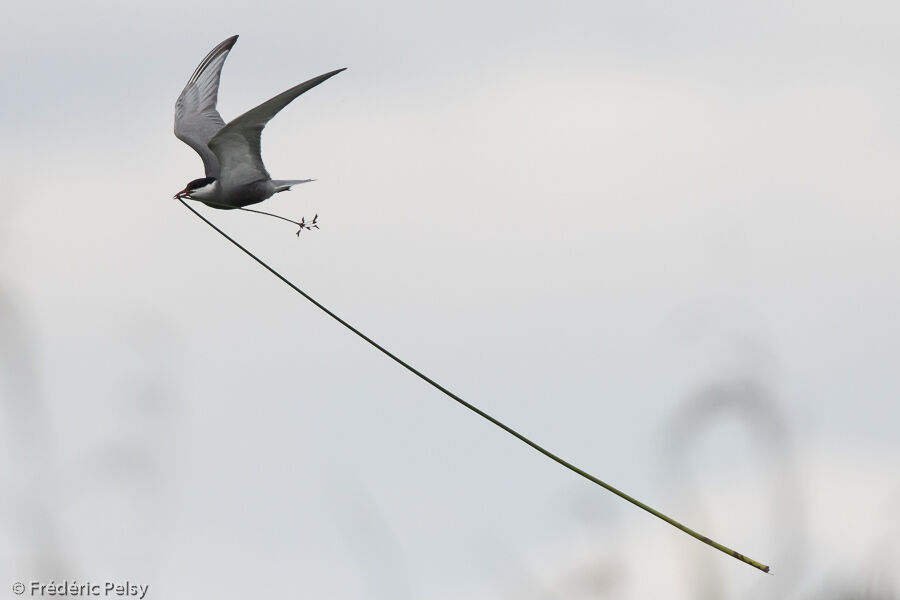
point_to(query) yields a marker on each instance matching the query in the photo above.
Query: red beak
(182, 194)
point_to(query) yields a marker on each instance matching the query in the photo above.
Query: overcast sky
(588, 218)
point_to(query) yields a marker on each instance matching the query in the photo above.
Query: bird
(231, 153)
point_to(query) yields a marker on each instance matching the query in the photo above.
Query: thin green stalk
(483, 414)
(252, 210)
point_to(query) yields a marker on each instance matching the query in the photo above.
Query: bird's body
(211, 192)
(235, 174)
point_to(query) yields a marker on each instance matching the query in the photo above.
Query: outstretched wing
(196, 117)
(237, 145)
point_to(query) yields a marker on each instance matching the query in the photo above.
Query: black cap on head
(199, 183)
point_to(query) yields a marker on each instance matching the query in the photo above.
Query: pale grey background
(585, 217)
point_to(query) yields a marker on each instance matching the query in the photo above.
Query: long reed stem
(484, 415)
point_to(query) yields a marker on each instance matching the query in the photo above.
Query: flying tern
(235, 174)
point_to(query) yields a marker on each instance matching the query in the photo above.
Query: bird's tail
(282, 185)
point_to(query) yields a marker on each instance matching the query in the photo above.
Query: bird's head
(197, 189)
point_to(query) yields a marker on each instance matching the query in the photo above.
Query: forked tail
(283, 185)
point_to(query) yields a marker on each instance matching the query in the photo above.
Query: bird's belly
(245, 194)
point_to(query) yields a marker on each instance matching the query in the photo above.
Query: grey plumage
(196, 117)
(231, 153)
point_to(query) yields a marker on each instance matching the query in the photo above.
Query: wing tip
(330, 74)
(223, 47)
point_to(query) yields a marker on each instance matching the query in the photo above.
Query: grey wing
(196, 117)
(237, 145)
